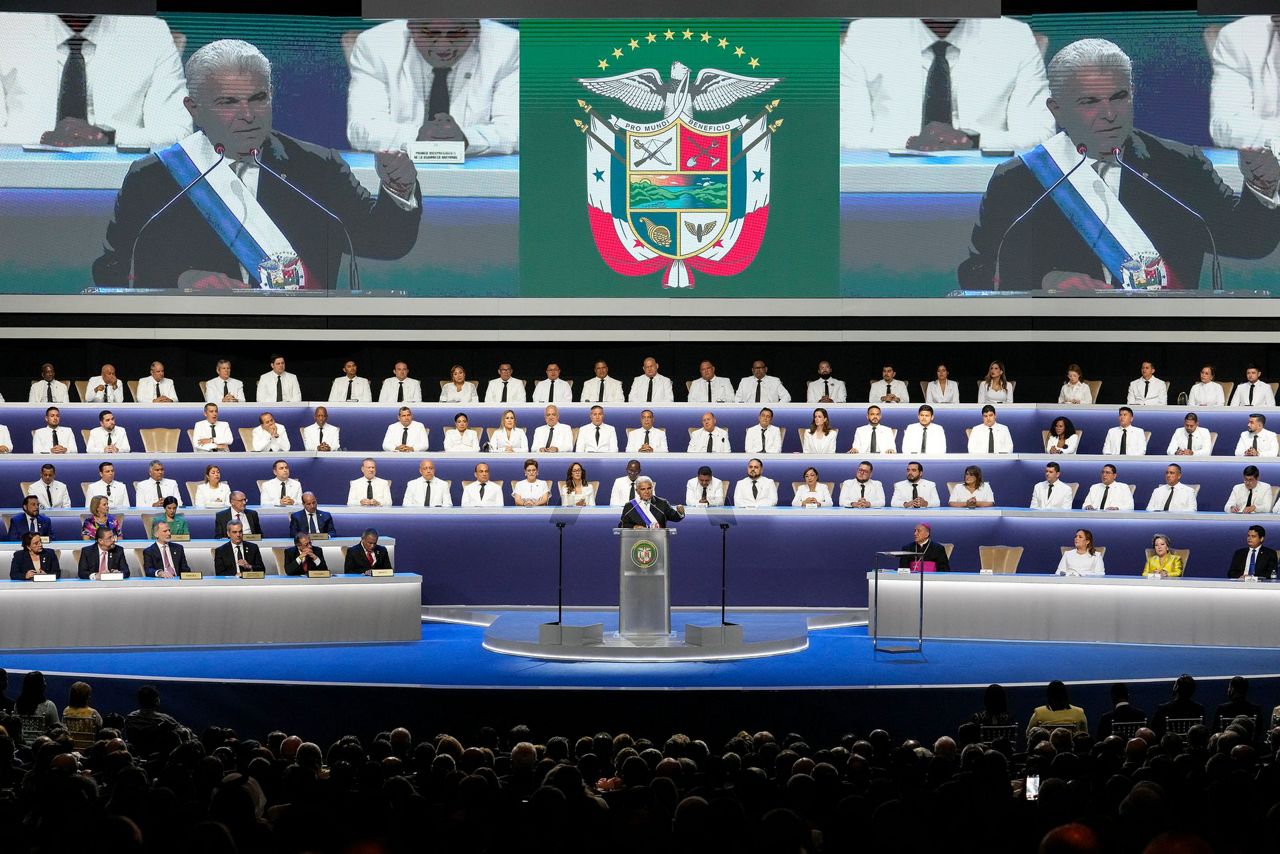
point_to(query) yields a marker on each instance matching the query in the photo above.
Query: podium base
(558, 634)
(727, 634)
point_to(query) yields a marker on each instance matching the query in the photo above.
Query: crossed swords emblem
(653, 151)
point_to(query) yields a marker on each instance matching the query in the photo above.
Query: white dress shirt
(450, 393)
(657, 440)
(880, 389)
(133, 73)
(718, 390)
(623, 491)
(116, 492)
(395, 436)
(207, 496)
(264, 441)
(243, 520)
(1153, 392)
(1184, 498)
(288, 384)
(718, 437)
(771, 390)
(115, 393)
(693, 493)
(762, 440)
(925, 489)
(522, 490)
(553, 391)
(980, 436)
(358, 387)
(1198, 442)
(269, 495)
(587, 496)
(1207, 394)
(559, 437)
(916, 441)
(594, 392)
(51, 494)
(662, 391)
(1074, 563)
(311, 437)
(960, 494)
(465, 442)
(819, 492)
(934, 393)
(221, 435)
(516, 442)
(832, 388)
(42, 440)
(40, 392)
(1135, 441)
(1072, 444)
(149, 390)
(606, 442)
(515, 391)
(5, 440)
(854, 490)
(1262, 395)
(1075, 393)
(812, 443)
(1240, 497)
(1057, 498)
(415, 493)
(1118, 495)
(216, 388)
(358, 490)
(885, 440)
(390, 391)
(766, 493)
(150, 490)
(492, 496)
(986, 395)
(1267, 444)
(1244, 100)
(998, 82)
(97, 441)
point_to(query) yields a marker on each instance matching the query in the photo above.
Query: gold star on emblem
(754, 63)
(669, 34)
(706, 37)
(634, 44)
(688, 34)
(737, 51)
(604, 63)
(651, 38)
(724, 43)
(617, 53)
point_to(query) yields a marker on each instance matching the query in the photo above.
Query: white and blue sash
(649, 521)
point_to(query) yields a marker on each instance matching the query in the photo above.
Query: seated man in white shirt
(400, 387)
(602, 388)
(825, 389)
(624, 488)
(755, 490)
(704, 490)
(760, 387)
(1110, 494)
(646, 439)
(210, 434)
(369, 490)
(1126, 439)
(107, 437)
(504, 389)
(1146, 390)
(552, 437)
(651, 386)
(1175, 496)
(278, 385)
(1252, 496)
(155, 488)
(873, 437)
(350, 387)
(889, 389)
(116, 493)
(764, 438)
(405, 435)
(553, 389)
(915, 491)
(321, 435)
(924, 437)
(1190, 441)
(1049, 494)
(1257, 440)
(597, 437)
(709, 388)
(990, 437)
(224, 388)
(481, 492)
(106, 387)
(155, 387)
(1253, 392)
(860, 491)
(53, 438)
(427, 490)
(710, 439)
(280, 490)
(48, 389)
(50, 491)
(1207, 392)
(268, 435)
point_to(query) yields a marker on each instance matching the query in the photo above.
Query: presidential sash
(649, 521)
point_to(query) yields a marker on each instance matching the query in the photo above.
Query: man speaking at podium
(647, 510)
(241, 223)
(1105, 226)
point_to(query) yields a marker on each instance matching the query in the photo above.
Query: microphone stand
(560, 578)
(133, 250)
(1080, 149)
(724, 572)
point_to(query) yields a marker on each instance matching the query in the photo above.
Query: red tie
(369, 552)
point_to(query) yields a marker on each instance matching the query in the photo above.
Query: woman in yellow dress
(1164, 562)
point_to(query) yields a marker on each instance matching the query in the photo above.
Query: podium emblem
(644, 554)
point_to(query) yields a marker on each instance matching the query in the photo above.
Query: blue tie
(1253, 561)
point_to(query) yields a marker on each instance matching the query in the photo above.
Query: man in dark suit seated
(1255, 559)
(302, 557)
(647, 510)
(30, 519)
(1238, 705)
(33, 559)
(103, 555)
(310, 519)
(1181, 706)
(924, 549)
(368, 555)
(237, 555)
(247, 518)
(163, 558)
(1104, 215)
(1122, 711)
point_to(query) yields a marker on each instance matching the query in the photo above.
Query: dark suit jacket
(934, 552)
(181, 239)
(292, 567)
(21, 564)
(223, 519)
(324, 521)
(1230, 710)
(1046, 241)
(662, 510)
(1176, 709)
(18, 527)
(115, 560)
(1265, 567)
(1120, 714)
(224, 558)
(356, 562)
(152, 563)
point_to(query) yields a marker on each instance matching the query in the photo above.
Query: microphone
(353, 269)
(1082, 151)
(1216, 268)
(133, 251)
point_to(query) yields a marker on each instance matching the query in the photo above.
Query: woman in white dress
(1206, 392)
(942, 390)
(461, 439)
(577, 491)
(972, 491)
(1083, 559)
(811, 493)
(1075, 390)
(996, 387)
(213, 492)
(1063, 438)
(458, 390)
(509, 439)
(531, 492)
(819, 438)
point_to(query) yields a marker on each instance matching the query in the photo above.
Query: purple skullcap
(926, 526)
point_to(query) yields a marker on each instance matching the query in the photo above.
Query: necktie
(1251, 394)
(649, 397)
(862, 490)
(915, 492)
(873, 440)
(1253, 561)
(504, 392)
(283, 484)
(168, 565)
(159, 494)
(991, 440)
(924, 439)
(763, 435)
(279, 389)
(239, 554)
(110, 441)
(404, 436)
(368, 489)
(400, 393)
(937, 87)
(368, 553)
(102, 561)
(1146, 389)
(1189, 440)
(1048, 492)
(312, 522)
(48, 490)
(108, 493)
(31, 524)
(321, 440)
(633, 491)
(350, 382)
(826, 388)
(426, 501)
(551, 391)
(601, 397)
(887, 392)
(482, 486)
(213, 431)
(1255, 441)
(224, 388)
(710, 439)
(240, 522)
(708, 391)
(704, 496)
(755, 489)
(1248, 500)
(1124, 440)
(597, 437)
(759, 387)
(54, 431)
(438, 102)
(73, 95)
(1168, 500)
(646, 437)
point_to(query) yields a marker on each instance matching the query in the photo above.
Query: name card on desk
(437, 151)
(111, 576)
(253, 536)
(190, 576)
(44, 576)
(181, 538)
(46, 539)
(319, 573)
(382, 573)
(253, 574)
(315, 537)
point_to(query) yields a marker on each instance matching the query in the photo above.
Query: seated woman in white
(996, 387)
(1083, 559)
(577, 491)
(811, 493)
(819, 438)
(1206, 392)
(972, 491)
(458, 390)
(462, 439)
(531, 492)
(942, 390)
(1075, 390)
(213, 492)
(509, 439)
(1063, 438)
